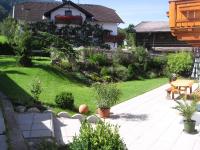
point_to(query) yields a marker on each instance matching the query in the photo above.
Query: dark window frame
(68, 13)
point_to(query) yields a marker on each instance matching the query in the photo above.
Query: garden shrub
(131, 71)
(121, 58)
(180, 63)
(47, 145)
(103, 137)
(95, 77)
(105, 71)
(82, 78)
(65, 100)
(157, 64)
(65, 65)
(99, 58)
(89, 66)
(107, 79)
(36, 89)
(151, 75)
(121, 72)
(141, 58)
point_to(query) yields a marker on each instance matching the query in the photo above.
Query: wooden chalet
(156, 35)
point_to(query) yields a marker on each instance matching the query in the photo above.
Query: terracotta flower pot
(104, 112)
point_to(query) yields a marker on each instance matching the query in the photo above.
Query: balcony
(114, 38)
(68, 20)
(184, 20)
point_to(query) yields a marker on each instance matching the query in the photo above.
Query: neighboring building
(156, 35)
(75, 14)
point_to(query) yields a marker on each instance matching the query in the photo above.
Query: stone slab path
(36, 125)
(3, 138)
(148, 122)
(2, 123)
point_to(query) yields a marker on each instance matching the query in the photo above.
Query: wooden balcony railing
(68, 19)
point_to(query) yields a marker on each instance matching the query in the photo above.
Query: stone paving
(3, 143)
(148, 122)
(36, 125)
(65, 129)
(16, 139)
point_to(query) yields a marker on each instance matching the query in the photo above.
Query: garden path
(148, 122)
(3, 139)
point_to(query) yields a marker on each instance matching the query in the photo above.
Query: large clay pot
(83, 109)
(104, 112)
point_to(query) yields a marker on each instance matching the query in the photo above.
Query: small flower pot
(104, 112)
(189, 126)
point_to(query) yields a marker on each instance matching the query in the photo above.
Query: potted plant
(187, 110)
(106, 96)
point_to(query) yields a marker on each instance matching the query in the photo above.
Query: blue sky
(135, 11)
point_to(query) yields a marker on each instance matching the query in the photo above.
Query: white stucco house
(67, 11)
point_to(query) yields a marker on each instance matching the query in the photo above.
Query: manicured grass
(16, 82)
(3, 39)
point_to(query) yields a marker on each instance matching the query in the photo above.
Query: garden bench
(172, 90)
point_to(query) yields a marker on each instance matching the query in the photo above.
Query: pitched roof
(33, 11)
(152, 26)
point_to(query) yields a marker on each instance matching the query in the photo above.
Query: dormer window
(68, 13)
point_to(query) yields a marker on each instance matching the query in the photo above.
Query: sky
(135, 11)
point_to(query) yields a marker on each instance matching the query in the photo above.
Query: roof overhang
(48, 13)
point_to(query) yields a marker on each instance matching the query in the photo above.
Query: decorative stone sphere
(83, 109)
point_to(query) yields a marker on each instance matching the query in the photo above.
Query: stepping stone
(79, 117)
(48, 111)
(3, 144)
(20, 109)
(64, 115)
(33, 110)
(93, 119)
(2, 124)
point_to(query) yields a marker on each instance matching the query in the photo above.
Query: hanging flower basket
(69, 19)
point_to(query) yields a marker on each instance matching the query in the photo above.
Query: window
(68, 13)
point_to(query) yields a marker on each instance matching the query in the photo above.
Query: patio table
(183, 84)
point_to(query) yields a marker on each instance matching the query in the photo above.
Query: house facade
(68, 12)
(156, 35)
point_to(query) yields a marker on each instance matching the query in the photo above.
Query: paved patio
(148, 122)
(36, 125)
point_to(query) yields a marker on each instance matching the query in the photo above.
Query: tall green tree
(22, 39)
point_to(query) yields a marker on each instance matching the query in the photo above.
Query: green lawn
(3, 39)
(16, 81)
